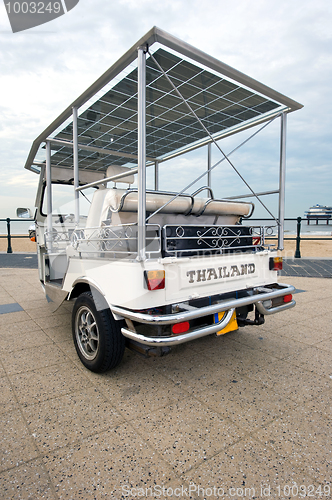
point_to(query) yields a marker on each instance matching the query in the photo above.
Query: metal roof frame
(276, 105)
(158, 35)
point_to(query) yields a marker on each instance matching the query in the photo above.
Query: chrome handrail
(179, 339)
(224, 305)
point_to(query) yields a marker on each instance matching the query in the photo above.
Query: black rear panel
(201, 240)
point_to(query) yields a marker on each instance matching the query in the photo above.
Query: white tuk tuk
(147, 268)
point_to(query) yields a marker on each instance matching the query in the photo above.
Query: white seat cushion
(181, 205)
(115, 170)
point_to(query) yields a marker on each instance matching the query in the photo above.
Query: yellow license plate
(232, 325)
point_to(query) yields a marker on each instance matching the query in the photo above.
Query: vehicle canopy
(161, 99)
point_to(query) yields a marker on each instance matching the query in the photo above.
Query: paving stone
(140, 392)
(16, 444)
(8, 400)
(64, 420)
(301, 436)
(247, 403)
(293, 381)
(325, 344)
(188, 433)
(5, 298)
(6, 320)
(2, 370)
(109, 465)
(22, 340)
(266, 341)
(23, 326)
(246, 467)
(34, 358)
(54, 320)
(313, 359)
(59, 334)
(48, 383)
(28, 481)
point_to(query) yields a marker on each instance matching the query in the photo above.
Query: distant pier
(318, 218)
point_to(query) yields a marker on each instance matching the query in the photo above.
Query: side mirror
(23, 213)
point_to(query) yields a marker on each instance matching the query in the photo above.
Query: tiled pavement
(318, 268)
(18, 260)
(247, 411)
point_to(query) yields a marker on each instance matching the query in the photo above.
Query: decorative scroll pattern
(219, 237)
(57, 240)
(115, 240)
(186, 239)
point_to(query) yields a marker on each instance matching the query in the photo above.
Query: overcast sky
(285, 44)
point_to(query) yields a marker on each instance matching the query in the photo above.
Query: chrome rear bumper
(257, 296)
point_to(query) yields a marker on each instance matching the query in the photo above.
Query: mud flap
(55, 296)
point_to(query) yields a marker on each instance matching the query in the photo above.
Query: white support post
(156, 175)
(282, 181)
(141, 255)
(49, 195)
(209, 182)
(76, 171)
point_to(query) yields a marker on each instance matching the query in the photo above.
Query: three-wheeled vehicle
(147, 268)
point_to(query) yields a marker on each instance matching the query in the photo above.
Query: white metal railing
(171, 240)
(57, 240)
(116, 241)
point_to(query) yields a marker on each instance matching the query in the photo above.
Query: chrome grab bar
(225, 305)
(179, 339)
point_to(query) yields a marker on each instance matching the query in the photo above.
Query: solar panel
(110, 123)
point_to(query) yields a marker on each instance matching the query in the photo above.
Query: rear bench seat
(110, 199)
(126, 200)
(181, 205)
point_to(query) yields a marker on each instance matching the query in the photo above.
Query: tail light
(154, 280)
(180, 327)
(288, 298)
(275, 264)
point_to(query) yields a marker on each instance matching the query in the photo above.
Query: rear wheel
(97, 336)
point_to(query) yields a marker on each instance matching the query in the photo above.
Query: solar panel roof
(107, 128)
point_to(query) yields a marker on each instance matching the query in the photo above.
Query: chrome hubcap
(87, 334)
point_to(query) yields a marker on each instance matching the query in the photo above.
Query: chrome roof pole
(156, 175)
(76, 170)
(282, 183)
(209, 182)
(49, 195)
(141, 111)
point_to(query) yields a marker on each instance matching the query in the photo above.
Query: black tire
(97, 336)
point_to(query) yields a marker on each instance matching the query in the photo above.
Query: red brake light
(288, 298)
(180, 327)
(275, 264)
(154, 280)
